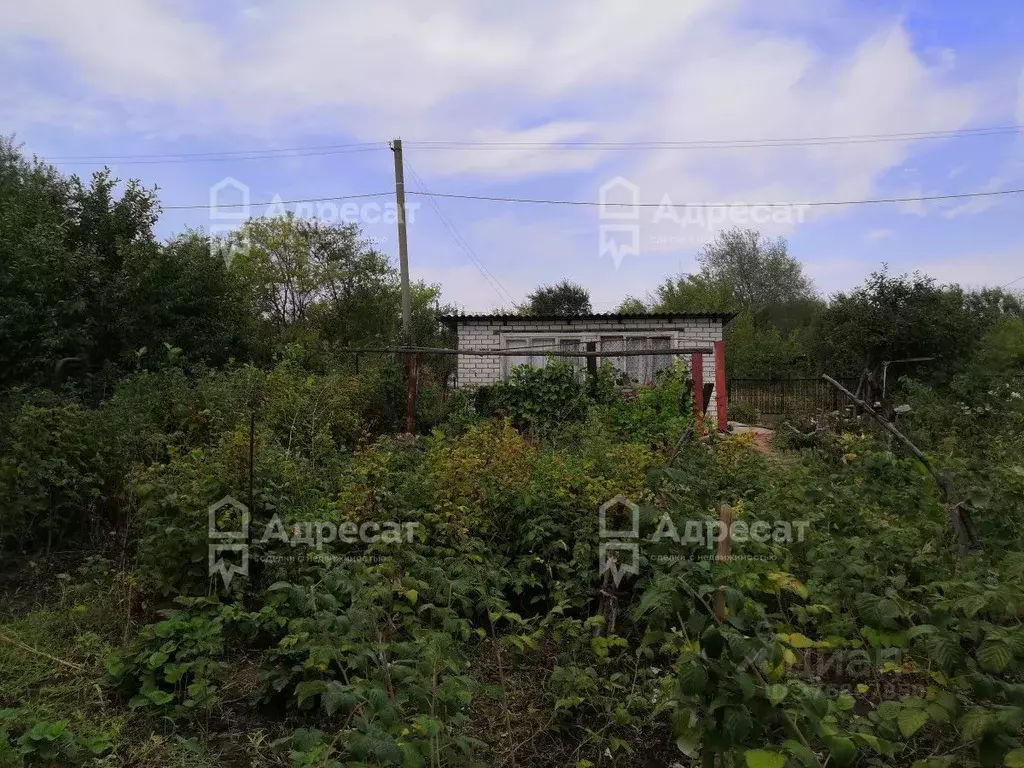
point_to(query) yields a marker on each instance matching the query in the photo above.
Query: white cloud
(975, 270)
(533, 71)
(978, 204)
(874, 235)
(1020, 99)
(137, 50)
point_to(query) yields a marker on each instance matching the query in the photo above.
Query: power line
(540, 201)
(811, 203)
(274, 202)
(222, 152)
(491, 279)
(719, 144)
(175, 160)
(1015, 280)
(369, 146)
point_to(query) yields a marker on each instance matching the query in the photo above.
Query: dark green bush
(538, 399)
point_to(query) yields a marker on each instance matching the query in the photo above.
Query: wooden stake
(698, 391)
(723, 555)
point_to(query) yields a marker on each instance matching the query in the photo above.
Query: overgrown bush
(538, 399)
(55, 479)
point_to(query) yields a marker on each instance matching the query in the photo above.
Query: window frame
(647, 365)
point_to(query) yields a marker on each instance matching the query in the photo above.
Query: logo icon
(224, 204)
(229, 207)
(619, 201)
(228, 507)
(616, 543)
(622, 206)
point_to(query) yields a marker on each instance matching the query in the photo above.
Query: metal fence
(786, 396)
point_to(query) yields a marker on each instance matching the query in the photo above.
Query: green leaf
(800, 751)
(1014, 758)
(762, 758)
(158, 697)
(842, 749)
(412, 596)
(777, 693)
(798, 640)
(308, 689)
(888, 710)
(1010, 718)
(995, 655)
(737, 723)
(911, 721)
(879, 745)
(881, 639)
(974, 724)
(115, 666)
(156, 659)
(1017, 641)
(689, 744)
(692, 678)
(337, 696)
(688, 737)
(944, 648)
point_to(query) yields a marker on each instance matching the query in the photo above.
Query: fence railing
(781, 396)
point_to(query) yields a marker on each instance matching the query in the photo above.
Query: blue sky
(111, 78)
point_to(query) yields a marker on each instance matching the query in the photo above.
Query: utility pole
(403, 264)
(403, 242)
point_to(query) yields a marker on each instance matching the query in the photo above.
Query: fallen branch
(959, 517)
(815, 437)
(37, 652)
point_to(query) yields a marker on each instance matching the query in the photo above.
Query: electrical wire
(274, 202)
(492, 280)
(539, 201)
(369, 146)
(810, 203)
(718, 144)
(175, 160)
(1015, 280)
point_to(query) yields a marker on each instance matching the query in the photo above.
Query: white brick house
(611, 333)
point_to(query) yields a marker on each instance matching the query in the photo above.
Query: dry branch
(959, 517)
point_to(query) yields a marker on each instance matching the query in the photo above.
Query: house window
(641, 368)
(535, 351)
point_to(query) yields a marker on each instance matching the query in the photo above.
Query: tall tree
(632, 305)
(84, 278)
(742, 272)
(896, 317)
(759, 271)
(563, 298)
(312, 280)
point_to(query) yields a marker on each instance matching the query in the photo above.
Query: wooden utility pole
(403, 265)
(403, 241)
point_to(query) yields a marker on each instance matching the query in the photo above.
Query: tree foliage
(558, 600)
(563, 298)
(757, 279)
(758, 272)
(897, 317)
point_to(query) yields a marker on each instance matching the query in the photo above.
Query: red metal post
(721, 396)
(697, 374)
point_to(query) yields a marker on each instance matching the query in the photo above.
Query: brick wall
(475, 370)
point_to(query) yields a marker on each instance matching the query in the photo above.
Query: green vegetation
(784, 329)
(486, 633)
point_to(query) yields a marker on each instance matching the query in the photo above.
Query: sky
(176, 93)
